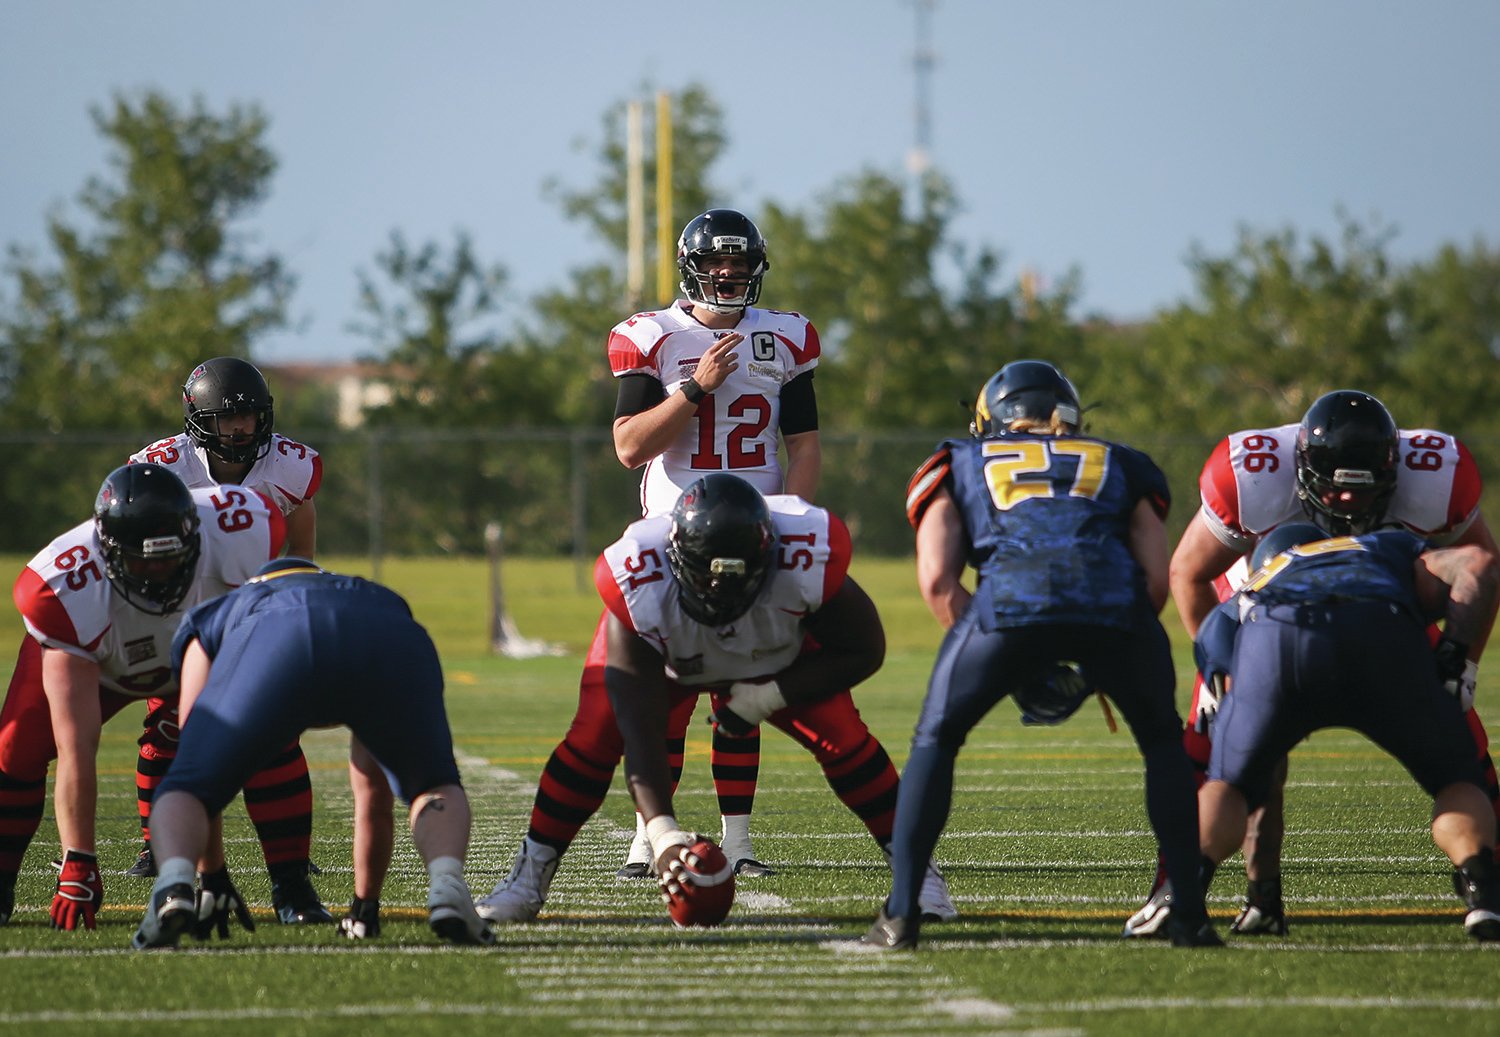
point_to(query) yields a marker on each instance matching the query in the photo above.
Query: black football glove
(1458, 673)
(217, 900)
(363, 920)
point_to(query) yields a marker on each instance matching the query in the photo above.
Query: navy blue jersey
(1378, 567)
(317, 591)
(1048, 518)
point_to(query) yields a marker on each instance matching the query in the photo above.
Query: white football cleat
(451, 914)
(933, 899)
(520, 895)
(1151, 919)
(639, 864)
(735, 842)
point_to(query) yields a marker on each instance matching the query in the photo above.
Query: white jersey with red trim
(69, 604)
(812, 560)
(735, 429)
(1249, 486)
(289, 474)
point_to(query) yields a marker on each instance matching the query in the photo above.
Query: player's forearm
(1470, 614)
(641, 715)
(1194, 600)
(804, 468)
(75, 798)
(302, 531)
(213, 854)
(947, 602)
(374, 823)
(817, 675)
(641, 437)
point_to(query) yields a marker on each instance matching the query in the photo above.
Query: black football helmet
(147, 523)
(717, 232)
(720, 548)
(1346, 455)
(221, 387)
(1052, 694)
(1025, 389)
(1283, 538)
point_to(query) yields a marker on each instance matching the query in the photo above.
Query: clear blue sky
(1102, 135)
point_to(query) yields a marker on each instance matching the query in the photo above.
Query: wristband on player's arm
(693, 391)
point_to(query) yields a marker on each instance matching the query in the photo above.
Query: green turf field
(1047, 852)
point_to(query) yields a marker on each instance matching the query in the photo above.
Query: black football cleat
(1481, 894)
(893, 934)
(635, 870)
(293, 896)
(1263, 913)
(144, 866)
(1192, 932)
(750, 868)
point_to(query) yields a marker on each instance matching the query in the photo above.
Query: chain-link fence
(555, 492)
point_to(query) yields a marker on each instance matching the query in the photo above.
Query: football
(700, 897)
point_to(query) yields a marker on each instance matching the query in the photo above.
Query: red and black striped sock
(866, 781)
(21, 805)
(735, 763)
(571, 790)
(278, 799)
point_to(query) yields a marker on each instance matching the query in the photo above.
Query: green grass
(1047, 852)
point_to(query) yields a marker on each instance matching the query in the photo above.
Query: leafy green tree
(1272, 326)
(99, 332)
(432, 315)
(913, 322)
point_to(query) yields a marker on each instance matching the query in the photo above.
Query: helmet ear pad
(148, 528)
(720, 548)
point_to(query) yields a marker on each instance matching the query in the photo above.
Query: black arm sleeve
(799, 405)
(637, 393)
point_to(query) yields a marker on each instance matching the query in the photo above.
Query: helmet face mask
(1029, 389)
(218, 390)
(720, 548)
(717, 239)
(1346, 454)
(147, 523)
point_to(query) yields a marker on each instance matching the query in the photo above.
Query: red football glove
(80, 891)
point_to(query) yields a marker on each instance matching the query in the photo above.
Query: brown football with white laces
(700, 894)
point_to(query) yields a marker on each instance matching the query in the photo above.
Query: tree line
(502, 415)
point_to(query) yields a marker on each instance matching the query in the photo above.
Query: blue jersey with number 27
(1048, 518)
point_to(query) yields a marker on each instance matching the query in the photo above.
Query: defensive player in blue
(1066, 532)
(1332, 632)
(298, 647)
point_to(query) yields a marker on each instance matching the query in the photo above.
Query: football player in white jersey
(723, 595)
(229, 437)
(1348, 468)
(101, 603)
(710, 384)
